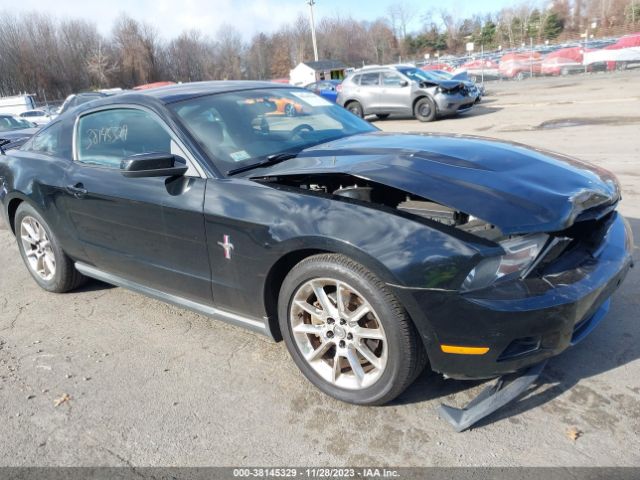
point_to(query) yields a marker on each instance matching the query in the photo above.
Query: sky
(171, 17)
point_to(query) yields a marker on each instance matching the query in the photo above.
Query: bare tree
(135, 46)
(401, 14)
(100, 66)
(230, 53)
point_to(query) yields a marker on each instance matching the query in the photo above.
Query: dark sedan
(371, 254)
(15, 131)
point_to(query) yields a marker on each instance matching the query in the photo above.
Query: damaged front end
(521, 256)
(545, 246)
(524, 300)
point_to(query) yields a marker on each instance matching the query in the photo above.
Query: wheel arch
(352, 100)
(283, 265)
(420, 97)
(12, 208)
(273, 281)
(13, 202)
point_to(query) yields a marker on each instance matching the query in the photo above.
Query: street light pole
(311, 3)
(531, 57)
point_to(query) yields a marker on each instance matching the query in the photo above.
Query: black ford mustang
(369, 253)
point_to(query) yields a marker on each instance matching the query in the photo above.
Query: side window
(356, 79)
(47, 141)
(390, 79)
(106, 138)
(369, 79)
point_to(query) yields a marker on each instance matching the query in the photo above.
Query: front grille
(573, 247)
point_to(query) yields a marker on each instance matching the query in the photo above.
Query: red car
(618, 56)
(438, 66)
(563, 61)
(478, 68)
(520, 65)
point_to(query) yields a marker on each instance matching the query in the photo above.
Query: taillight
(339, 88)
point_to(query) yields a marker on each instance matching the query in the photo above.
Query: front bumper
(521, 322)
(452, 103)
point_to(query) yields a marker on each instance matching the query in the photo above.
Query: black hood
(518, 189)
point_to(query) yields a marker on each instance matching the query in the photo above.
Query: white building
(17, 104)
(310, 72)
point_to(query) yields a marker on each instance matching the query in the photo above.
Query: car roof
(173, 93)
(185, 91)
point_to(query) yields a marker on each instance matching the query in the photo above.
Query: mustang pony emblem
(227, 246)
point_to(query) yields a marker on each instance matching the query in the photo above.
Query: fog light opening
(520, 347)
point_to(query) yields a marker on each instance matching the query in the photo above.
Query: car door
(369, 92)
(148, 230)
(395, 93)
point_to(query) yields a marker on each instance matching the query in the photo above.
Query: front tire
(355, 108)
(425, 110)
(47, 263)
(347, 332)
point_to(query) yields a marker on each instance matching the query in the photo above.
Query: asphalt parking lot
(104, 376)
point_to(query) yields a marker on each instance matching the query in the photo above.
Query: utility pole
(311, 3)
(531, 57)
(483, 61)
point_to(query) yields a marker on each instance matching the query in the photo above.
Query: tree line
(53, 58)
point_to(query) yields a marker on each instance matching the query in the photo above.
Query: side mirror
(404, 83)
(153, 165)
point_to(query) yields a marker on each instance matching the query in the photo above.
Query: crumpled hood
(447, 84)
(518, 189)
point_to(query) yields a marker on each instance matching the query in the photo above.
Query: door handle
(77, 190)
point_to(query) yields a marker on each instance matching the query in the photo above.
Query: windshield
(238, 129)
(442, 74)
(12, 123)
(418, 75)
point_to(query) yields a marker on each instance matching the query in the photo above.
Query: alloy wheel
(37, 248)
(425, 109)
(338, 333)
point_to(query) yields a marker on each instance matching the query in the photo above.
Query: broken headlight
(520, 254)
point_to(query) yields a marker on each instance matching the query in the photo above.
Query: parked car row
(596, 55)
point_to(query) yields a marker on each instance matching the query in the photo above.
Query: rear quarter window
(47, 142)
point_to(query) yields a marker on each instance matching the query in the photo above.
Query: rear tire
(425, 110)
(363, 358)
(47, 263)
(355, 108)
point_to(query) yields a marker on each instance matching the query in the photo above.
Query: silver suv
(405, 90)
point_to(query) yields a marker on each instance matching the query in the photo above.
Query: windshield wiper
(269, 160)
